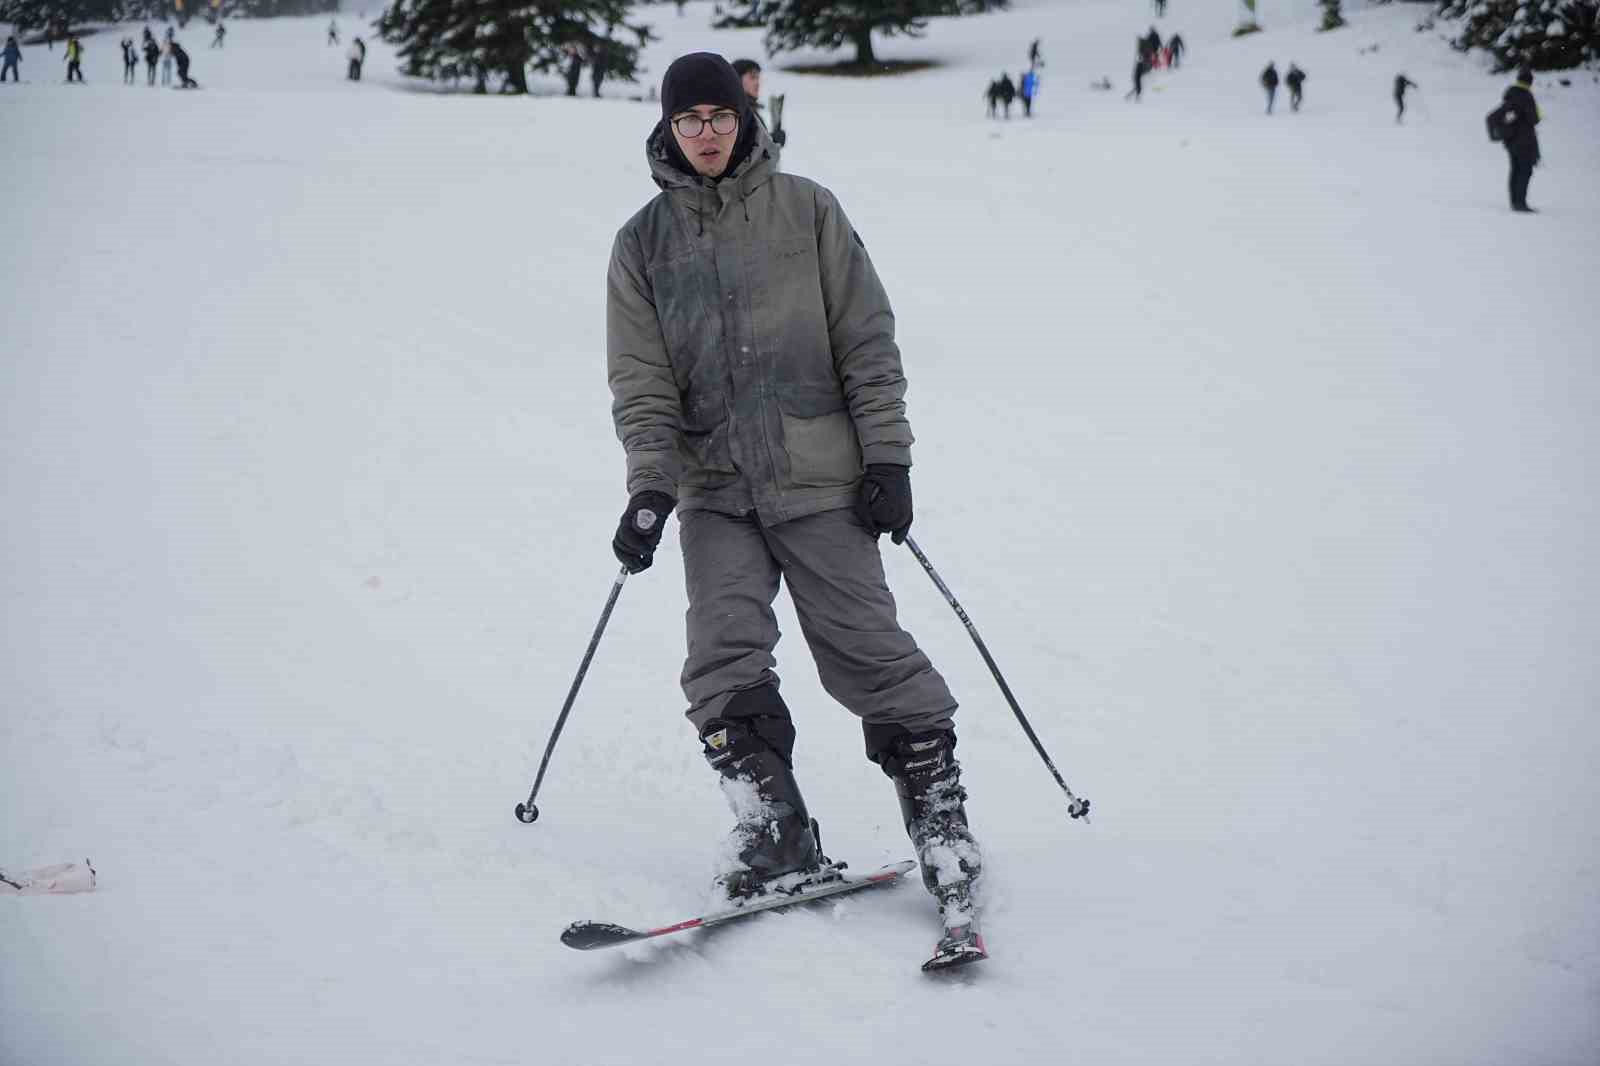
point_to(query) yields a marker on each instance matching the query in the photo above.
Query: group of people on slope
(1151, 54)
(1002, 92)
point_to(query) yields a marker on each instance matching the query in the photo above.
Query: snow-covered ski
(957, 947)
(588, 936)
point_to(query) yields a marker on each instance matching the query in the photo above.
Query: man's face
(752, 84)
(709, 150)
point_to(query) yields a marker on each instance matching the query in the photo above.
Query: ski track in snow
(1259, 450)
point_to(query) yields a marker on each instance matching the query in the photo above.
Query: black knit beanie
(701, 78)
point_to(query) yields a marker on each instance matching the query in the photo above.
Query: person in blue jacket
(13, 56)
(1030, 87)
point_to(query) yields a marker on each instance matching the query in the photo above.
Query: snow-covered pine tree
(482, 40)
(825, 24)
(1542, 34)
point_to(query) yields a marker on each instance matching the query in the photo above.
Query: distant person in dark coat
(152, 56)
(358, 57)
(992, 94)
(130, 61)
(1175, 48)
(749, 72)
(220, 36)
(1401, 84)
(1141, 67)
(333, 31)
(1008, 93)
(1152, 46)
(9, 60)
(1269, 82)
(574, 71)
(1296, 80)
(1035, 57)
(1518, 116)
(182, 58)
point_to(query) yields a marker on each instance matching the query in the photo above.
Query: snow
(1260, 450)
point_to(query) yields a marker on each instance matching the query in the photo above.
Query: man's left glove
(884, 505)
(639, 532)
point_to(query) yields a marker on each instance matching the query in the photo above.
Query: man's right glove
(640, 530)
(884, 505)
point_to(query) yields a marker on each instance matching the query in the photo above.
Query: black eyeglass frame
(701, 124)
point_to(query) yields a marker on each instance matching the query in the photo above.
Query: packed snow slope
(1260, 450)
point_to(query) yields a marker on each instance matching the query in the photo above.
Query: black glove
(640, 530)
(780, 137)
(884, 505)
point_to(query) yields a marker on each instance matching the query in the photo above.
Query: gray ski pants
(847, 614)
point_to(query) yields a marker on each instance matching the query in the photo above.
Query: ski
(589, 936)
(958, 947)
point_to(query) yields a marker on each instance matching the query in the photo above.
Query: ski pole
(528, 813)
(1076, 807)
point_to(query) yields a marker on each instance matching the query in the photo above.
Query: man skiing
(9, 60)
(182, 58)
(1269, 82)
(1401, 84)
(1175, 50)
(358, 57)
(758, 391)
(333, 32)
(1008, 93)
(1296, 80)
(1517, 118)
(220, 36)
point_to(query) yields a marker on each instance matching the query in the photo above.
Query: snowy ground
(1260, 450)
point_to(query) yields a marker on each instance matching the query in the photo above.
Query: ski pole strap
(1076, 807)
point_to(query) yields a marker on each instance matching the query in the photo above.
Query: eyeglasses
(690, 126)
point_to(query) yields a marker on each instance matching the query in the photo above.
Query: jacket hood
(669, 170)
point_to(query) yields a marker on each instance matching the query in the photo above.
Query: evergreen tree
(825, 24)
(1332, 18)
(484, 39)
(1542, 34)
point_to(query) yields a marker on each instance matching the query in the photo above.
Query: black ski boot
(927, 779)
(774, 835)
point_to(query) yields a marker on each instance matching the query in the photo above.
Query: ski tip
(586, 936)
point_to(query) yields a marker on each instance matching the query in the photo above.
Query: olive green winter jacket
(749, 344)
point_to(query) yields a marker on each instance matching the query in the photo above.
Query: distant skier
(1008, 93)
(599, 63)
(992, 94)
(1035, 57)
(333, 31)
(358, 57)
(166, 61)
(1269, 82)
(9, 60)
(182, 58)
(130, 61)
(74, 58)
(749, 72)
(1152, 47)
(784, 470)
(1141, 67)
(1296, 80)
(221, 35)
(1401, 84)
(1161, 7)
(1175, 50)
(1029, 89)
(1515, 121)
(152, 56)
